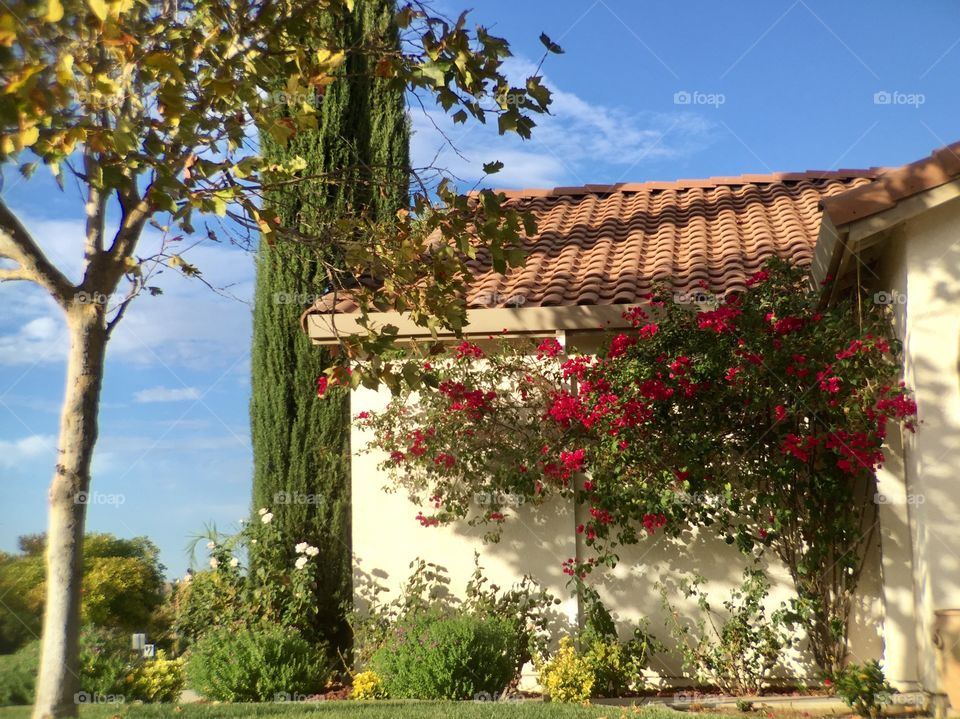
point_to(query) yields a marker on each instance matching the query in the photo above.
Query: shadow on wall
(631, 593)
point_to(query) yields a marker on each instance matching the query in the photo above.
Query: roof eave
(838, 245)
(329, 329)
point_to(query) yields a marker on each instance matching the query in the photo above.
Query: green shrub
(256, 664)
(436, 655)
(158, 680)
(738, 650)
(617, 666)
(106, 661)
(18, 674)
(567, 677)
(863, 687)
(210, 600)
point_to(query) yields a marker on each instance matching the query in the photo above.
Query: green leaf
(491, 168)
(460, 116)
(550, 44)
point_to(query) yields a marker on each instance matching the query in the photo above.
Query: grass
(360, 710)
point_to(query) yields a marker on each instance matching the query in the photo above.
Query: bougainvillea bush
(755, 414)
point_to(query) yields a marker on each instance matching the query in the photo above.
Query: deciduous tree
(148, 107)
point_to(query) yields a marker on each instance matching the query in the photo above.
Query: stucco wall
(387, 538)
(921, 271)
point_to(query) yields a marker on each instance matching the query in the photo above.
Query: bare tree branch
(13, 275)
(17, 244)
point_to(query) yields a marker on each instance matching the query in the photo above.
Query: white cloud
(167, 394)
(578, 143)
(28, 448)
(189, 324)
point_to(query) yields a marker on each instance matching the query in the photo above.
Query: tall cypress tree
(301, 444)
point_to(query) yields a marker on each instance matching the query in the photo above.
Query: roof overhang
(329, 329)
(841, 248)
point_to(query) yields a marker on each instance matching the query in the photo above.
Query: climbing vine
(755, 414)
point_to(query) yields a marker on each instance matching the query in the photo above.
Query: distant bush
(106, 661)
(157, 680)
(256, 664)
(18, 675)
(436, 655)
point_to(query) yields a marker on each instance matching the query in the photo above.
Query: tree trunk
(58, 681)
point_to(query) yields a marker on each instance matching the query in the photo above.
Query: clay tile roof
(609, 244)
(897, 184)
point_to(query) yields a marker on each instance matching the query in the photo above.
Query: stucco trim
(327, 329)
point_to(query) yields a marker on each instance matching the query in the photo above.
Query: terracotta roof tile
(941, 167)
(609, 244)
(603, 244)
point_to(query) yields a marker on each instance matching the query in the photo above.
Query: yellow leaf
(165, 62)
(65, 69)
(29, 137)
(330, 60)
(54, 11)
(99, 8)
(6, 145)
(8, 30)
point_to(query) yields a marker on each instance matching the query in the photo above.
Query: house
(599, 249)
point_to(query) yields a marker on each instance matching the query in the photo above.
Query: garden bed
(361, 710)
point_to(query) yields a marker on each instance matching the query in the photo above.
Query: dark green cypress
(301, 444)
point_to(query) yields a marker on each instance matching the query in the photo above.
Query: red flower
(550, 347)
(620, 344)
(363, 415)
(468, 349)
(573, 461)
(732, 373)
(322, 384)
(780, 412)
(653, 522)
(758, 277)
(719, 320)
(447, 460)
(588, 486)
(648, 331)
(830, 384)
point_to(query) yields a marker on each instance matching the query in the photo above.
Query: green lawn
(359, 710)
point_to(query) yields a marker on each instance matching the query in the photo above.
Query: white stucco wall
(921, 269)
(386, 538)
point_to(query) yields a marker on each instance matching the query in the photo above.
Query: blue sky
(645, 91)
